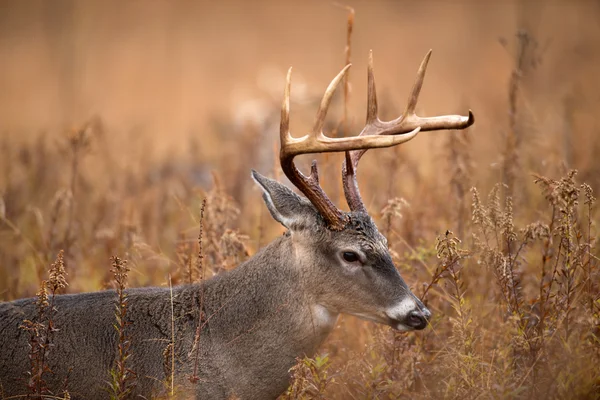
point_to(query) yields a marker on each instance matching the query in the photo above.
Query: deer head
(342, 256)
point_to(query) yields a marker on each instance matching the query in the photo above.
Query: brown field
(118, 118)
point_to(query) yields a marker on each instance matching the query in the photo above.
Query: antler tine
(371, 92)
(409, 119)
(284, 124)
(414, 95)
(326, 101)
(407, 125)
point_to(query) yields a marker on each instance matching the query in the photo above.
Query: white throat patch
(322, 317)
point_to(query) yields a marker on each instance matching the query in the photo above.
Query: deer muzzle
(409, 314)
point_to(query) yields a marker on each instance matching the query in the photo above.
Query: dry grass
(516, 304)
(123, 379)
(516, 301)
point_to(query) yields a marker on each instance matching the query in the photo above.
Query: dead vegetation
(515, 301)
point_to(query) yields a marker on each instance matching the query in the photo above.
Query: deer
(257, 319)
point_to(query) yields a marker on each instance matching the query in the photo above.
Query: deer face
(345, 271)
(356, 275)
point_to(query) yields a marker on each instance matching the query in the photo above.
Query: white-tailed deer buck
(258, 318)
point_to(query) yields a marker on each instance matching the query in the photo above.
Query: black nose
(418, 319)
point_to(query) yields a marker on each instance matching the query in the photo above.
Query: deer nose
(418, 319)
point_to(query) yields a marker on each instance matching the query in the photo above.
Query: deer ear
(289, 209)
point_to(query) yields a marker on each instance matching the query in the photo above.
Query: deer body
(256, 330)
(257, 319)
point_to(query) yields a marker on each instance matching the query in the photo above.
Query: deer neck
(267, 300)
(261, 318)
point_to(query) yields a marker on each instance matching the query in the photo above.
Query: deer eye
(350, 256)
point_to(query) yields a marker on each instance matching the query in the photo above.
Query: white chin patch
(401, 310)
(402, 327)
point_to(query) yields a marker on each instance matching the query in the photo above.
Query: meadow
(136, 140)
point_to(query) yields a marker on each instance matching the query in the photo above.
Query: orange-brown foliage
(118, 118)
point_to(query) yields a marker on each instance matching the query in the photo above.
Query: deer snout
(418, 319)
(409, 314)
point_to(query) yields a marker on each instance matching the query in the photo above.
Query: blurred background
(117, 118)
(164, 71)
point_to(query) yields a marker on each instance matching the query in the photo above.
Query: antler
(317, 142)
(407, 125)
